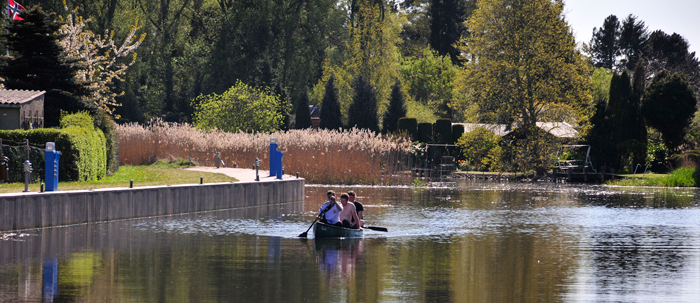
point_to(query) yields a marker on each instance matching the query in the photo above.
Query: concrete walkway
(242, 174)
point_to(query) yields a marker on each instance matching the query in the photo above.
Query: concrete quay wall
(38, 210)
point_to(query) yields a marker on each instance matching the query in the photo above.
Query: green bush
(410, 125)
(443, 131)
(480, 149)
(457, 132)
(83, 155)
(79, 119)
(109, 128)
(425, 132)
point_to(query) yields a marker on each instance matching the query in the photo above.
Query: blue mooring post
(279, 164)
(273, 158)
(51, 157)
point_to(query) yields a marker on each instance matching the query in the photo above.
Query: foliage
(443, 131)
(106, 124)
(525, 67)
(38, 62)
(363, 110)
(331, 117)
(656, 156)
(682, 177)
(601, 84)
(410, 125)
(429, 79)
(633, 37)
(81, 145)
(302, 117)
(425, 132)
(481, 149)
(396, 109)
(420, 111)
(103, 59)
(670, 53)
(447, 19)
(669, 105)
(457, 132)
(256, 110)
(604, 47)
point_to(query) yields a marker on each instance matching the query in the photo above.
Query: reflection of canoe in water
(323, 230)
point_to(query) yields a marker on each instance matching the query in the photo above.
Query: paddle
(377, 228)
(306, 233)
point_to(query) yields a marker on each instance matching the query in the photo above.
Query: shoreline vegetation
(321, 156)
(159, 173)
(681, 177)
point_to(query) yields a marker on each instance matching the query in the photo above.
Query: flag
(13, 9)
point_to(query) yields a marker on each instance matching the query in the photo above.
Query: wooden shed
(21, 109)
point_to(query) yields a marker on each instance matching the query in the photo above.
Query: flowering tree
(101, 57)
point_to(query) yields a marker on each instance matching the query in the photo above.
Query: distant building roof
(557, 129)
(18, 96)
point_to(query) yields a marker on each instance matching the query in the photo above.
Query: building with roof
(21, 109)
(560, 130)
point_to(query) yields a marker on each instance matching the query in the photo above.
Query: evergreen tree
(669, 105)
(396, 110)
(604, 46)
(303, 116)
(330, 107)
(363, 110)
(633, 36)
(284, 105)
(37, 62)
(447, 26)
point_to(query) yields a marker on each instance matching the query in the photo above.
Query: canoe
(323, 230)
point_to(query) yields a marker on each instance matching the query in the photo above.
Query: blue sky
(679, 16)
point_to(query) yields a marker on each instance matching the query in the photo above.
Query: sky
(679, 16)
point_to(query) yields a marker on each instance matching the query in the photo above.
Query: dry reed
(321, 156)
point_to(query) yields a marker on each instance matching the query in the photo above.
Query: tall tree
(447, 26)
(363, 110)
(669, 105)
(38, 62)
(633, 36)
(670, 53)
(331, 117)
(637, 131)
(396, 110)
(303, 116)
(605, 45)
(527, 68)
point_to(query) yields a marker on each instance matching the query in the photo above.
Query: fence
(18, 152)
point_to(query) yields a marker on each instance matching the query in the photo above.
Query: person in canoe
(348, 216)
(330, 211)
(358, 206)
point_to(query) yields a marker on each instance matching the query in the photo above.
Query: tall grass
(321, 156)
(682, 177)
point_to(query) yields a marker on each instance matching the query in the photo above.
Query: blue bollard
(51, 157)
(273, 159)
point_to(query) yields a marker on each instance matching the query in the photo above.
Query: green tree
(37, 62)
(447, 25)
(480, 149)
(526, 68)
(396, 110)
(670, 53)
(429, 80)
(668, 106)
(363, 110)
(240, 108)
(605, 44)
(633, 36)
(330, 107)
(303, 116)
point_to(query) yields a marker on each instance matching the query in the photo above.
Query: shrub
(457, 132)
(425, 132)
(443, 131)
(410, 125)
(241, 107)
(396, 110)
(363, 110)
(480, 149)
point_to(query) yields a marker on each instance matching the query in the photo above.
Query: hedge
(410, 125)
(83, 154)
(425, 132)
(457, 132)
(443, 131)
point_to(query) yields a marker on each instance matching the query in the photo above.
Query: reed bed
(321, 156)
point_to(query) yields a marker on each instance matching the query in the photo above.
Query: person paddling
(330, 211)
(349, 215)
(358, 206)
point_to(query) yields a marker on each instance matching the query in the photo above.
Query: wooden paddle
(306, 233)
(377, 228)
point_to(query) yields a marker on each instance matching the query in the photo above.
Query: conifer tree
(284, 106)
(38, 62)
(363, 110)
(303, 116)
(330, 107)
(396, 110)
(669, 105)
(605, 44)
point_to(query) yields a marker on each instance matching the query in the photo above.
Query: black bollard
(41, 188)
(131, 183)
(297, 175)
(201, 180)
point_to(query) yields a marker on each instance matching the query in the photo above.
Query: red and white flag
(13, 9)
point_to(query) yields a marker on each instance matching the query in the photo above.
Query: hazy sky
(679, 16)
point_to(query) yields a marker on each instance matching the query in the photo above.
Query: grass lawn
(682, 177)
(156, 174)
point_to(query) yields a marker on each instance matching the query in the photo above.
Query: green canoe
(323, 230)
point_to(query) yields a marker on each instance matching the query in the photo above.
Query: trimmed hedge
(83, 154)
(410, 125)
(425, 132)
(443, 131)
(457, 132)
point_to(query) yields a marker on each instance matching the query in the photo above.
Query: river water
(465, 242)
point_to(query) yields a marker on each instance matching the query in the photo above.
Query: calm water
(473, 242)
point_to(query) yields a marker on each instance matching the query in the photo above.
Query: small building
(561, 130)
(21, 109)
